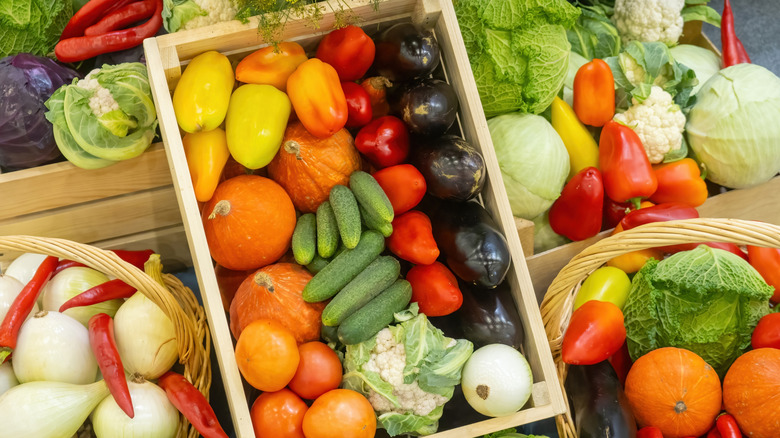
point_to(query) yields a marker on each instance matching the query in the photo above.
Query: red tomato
(349, 50)
(767, 332)
(434, 289)
(767, 263)
(278, 415)
(341, 413)
(403, 184)
(319, 371)
(359, 111)
(595, 333)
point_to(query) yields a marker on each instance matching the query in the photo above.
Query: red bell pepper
(384, 142)
(192, 404)
(621, 362)
(649, 432)
(403, 184)
(596, 331)
(412, 238)
(101, 338)
(727, 426)
(680, 181)
(614, 212)
(626, 171)
(349, 50)
(767, 332)
(767, 262)
(733, 50)
(110, 290)
(577, 213)
(435, 289)
(22, 306)
(594, 93)
(359, 111)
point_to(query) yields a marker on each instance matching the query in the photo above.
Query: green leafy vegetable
(594, 35)
(705, 63)
(706, 300)
(32, 26)
(696, 11)
(520, 51)
(178, 12)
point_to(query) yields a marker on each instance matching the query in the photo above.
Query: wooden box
(167, 56)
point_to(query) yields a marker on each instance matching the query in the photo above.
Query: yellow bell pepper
(255, 124)
(207, 153)
(582, 148)
(201, 97)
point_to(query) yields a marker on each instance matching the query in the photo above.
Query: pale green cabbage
(705, 63)
(734, 127)
(533, 160)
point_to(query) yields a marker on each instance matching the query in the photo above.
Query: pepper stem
(636, 202)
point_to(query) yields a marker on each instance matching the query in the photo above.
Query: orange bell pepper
(271, 66)
(680, 181)
(594, 93)
(206, 153)
(633, 261)
(316, 95)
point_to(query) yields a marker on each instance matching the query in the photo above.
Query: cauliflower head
(649, 20)
(658, 122)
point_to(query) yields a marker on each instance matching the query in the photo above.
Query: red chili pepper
(101, 338)
(577, 213)
(65, 264)
(594, 93)
(88, 15)
(435, 289)
(658, 213)
(621, 362)
(624, 166)
(192, 404)
(733, 50)
(713, 433)
(727, 426)
(349, 50)
(767, 332)
(122, 17)
(649, 432)
(110, 290)
(412, 238)
(767, 262)
(22, 306)
(384, 142)
(376, 87)
(680, 181)
(80, 48)
(614, 212)
(359, 111)
(135, 258)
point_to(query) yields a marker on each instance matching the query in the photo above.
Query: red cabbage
(26, 138)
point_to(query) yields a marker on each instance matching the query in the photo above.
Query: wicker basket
(558, 302)
(175, 300)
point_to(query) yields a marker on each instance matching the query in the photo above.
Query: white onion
(54, 347)
(155, 416)
(145, 337)
(9, 289)
(48, 409)
(23, 267)
(7, 377)
(497, 380)
(71, 282)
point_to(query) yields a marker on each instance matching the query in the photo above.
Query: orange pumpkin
(674, 390)
(275, 292)
(751, 392)
(248, 222)
(308, 166)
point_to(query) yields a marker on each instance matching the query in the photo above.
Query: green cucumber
(317, 264)
(327, 231)
(329, 334)
(374, 223)
(371, 196)
(343, 268)
(377, 276)
(345, 208)
(376, 315)
(304, 239)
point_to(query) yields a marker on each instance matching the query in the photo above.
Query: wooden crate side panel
(63, 184)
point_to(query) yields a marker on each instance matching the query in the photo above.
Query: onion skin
(155, 416)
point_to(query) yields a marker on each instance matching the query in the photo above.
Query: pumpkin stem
(222, 208)
(380, 82)
(293, 147)
(680, 407)
(264, 280)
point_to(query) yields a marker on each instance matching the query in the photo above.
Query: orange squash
(275, 292)
(751, 392)
(308, 166)
(674, 390)
(248, 222)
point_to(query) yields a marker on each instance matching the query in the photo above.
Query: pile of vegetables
(97, 348)
(363, 231)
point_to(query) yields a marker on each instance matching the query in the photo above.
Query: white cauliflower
(658, 122)
(649, 20)
(102, 101)
(216, 11)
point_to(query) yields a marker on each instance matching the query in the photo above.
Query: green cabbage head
(519, 51)
(733, 128)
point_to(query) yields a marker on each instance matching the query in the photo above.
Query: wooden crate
(166, 56)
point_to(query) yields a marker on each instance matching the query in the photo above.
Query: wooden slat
(63, 184)
(101, 220)
(525, 230)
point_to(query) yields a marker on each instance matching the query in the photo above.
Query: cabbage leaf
(32, 26)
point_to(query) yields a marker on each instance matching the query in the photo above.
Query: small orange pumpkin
(751, 392)
(674, 390)
(308, 166)
(275, 292)
(248, 222)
